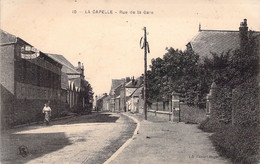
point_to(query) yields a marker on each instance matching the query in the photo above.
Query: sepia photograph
(130, 81)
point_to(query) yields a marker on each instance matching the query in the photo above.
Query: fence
(186, 113)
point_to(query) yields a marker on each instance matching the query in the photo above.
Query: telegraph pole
(145, 74)
(124, 96)
(146, 48)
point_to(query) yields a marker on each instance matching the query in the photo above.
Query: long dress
(47, 112)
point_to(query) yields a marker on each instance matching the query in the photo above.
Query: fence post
(172, 114)
(232, 109)
(156, 106)
(179, 112)
(176, 103)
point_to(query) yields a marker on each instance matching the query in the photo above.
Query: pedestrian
(47, 111)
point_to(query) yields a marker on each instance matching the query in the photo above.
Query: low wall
(160, 106)
(165, 115)
(18, 112)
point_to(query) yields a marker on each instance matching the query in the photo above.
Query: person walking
(47, 111)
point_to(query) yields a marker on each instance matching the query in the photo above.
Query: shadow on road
(92, 118)
(21, 148)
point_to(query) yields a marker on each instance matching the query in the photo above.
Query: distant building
(73, 84)
(133, 92)
(106, 103)
(100, 102)
(29, 78)
(115, 94)
(126, 95)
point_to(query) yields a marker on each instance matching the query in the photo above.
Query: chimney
(82, 66)
(243, 34)
(79, 64)
(82, 71)
(142, 78)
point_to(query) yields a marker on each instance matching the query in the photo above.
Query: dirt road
(85, 139)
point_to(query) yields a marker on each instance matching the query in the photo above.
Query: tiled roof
(67, 66)
(216, 41)
(6, 38)
(136, 83)
(137, 92)
(102, 97)
(213, 41)
(116, 83)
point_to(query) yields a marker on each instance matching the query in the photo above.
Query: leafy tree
(177, 71)
(184, 72)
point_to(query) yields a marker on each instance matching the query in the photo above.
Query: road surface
(84, 139)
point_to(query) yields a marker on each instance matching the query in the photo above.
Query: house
(114, 94)
(219, 41)
(106, 103)
(135, 101)
(100, 102)
(29, 79)
(133, 90)
(126, 95)
(73, 84)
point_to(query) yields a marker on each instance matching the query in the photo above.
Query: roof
(134, 83)
(215, 41)
(116, 83)
(137, 92)
(7, 38)
(212, 41)
(106, 98)
(67, 66)
(103, 96)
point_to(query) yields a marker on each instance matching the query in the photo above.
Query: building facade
(126, 95)
(73, 85)
(29, 78)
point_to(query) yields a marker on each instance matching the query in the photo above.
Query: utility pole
(146, 48)
(145, 74)
(124, 96)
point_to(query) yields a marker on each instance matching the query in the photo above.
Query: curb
(127, 142)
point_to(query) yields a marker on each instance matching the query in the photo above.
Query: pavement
(160, 141)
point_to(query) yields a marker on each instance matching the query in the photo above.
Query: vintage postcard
(130, 81)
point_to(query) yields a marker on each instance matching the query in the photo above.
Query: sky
(108, 44)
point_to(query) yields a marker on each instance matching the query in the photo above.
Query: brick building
(29, 78)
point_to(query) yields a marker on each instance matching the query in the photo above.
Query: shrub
(240, 144)
(210, 125)
(194, 115)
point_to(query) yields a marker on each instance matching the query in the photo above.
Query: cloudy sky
(108, 44)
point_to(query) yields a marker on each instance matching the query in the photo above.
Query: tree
(176, 72)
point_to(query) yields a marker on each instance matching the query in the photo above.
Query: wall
(24, 90)
(7, 67)
(7, 80)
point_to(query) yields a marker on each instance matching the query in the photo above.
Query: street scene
(130, 82)
(95, 138)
